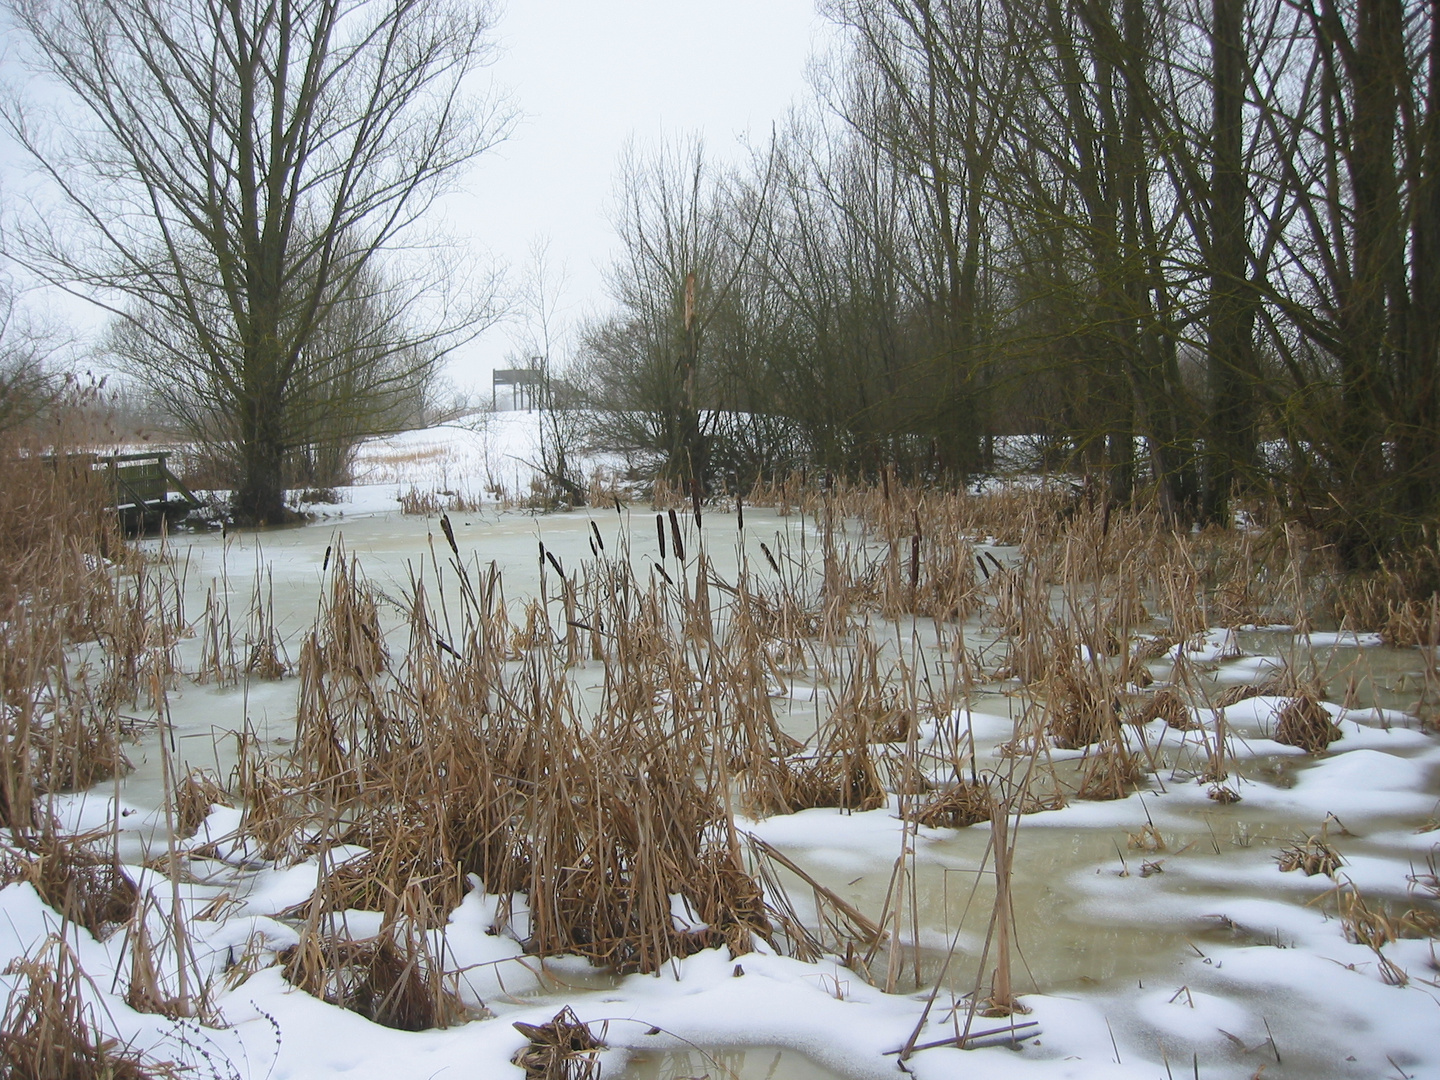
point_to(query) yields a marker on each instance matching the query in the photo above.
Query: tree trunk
(260, 494)
(1377, 69)
(1417, 440)
(1231, 361)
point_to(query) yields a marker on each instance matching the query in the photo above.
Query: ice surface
(1194, 954)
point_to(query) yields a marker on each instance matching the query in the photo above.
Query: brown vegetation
(462, 745)
(49, 1032)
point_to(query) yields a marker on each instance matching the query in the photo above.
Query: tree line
(1192, 247)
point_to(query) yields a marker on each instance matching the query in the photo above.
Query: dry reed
(1304, 722)
(50, 1032)
(84, 885)
(472, 750)
(562, 1049)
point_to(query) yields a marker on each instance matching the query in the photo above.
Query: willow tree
(229, 173)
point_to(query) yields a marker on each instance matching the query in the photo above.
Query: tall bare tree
(230, 171)
(933, 87)
(656, 371)
(1354, 298)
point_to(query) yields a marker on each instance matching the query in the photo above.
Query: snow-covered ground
(489, 457)
(1187, 954)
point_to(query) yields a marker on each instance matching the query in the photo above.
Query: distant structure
(524, 386)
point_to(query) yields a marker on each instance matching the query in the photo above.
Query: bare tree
(654, 371)
(28, 386)
(933, 87)
(542, 342)
(233, 169)
(364, 371)
(1353, 301)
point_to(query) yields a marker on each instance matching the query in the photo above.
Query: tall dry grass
(588, 748)
(61, 556)
(49, 1029)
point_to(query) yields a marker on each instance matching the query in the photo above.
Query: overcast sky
(589, 75)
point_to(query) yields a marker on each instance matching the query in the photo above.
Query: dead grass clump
(420, 503)
(1412, 623)
(1154, 647)
(842, 770)
(1419, 923)
(1372, 927)
(451, 761)
(1078, 714)
(195, 797)
(847, 780)
(56, 732)
(1169, 706)
(1314, 856)
(1375, 925)
(728, 905)
(351, 642)
(407, 846)
(395, 979)
(270, 822)
(48, 1032)
(606, 487)
(563, 1049)
(1428, 881)
(1286, 682)
(1401, 600)
(83, 885)
(267, 658)
(1110, 773)
(53, 738)
(625, 840)
(56, 534)
(375, 978)
(1305, 723)
(1365, 925)
(967, 803)
(1233, 695)
(1147, 839)
(1233, 603)
(782, 495)
(895, 725)
(836, 928)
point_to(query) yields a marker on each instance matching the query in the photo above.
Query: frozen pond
(1154, 932)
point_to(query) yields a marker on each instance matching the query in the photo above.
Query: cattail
(675, 536)
(769, 558)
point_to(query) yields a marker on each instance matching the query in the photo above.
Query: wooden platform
(146, 491)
